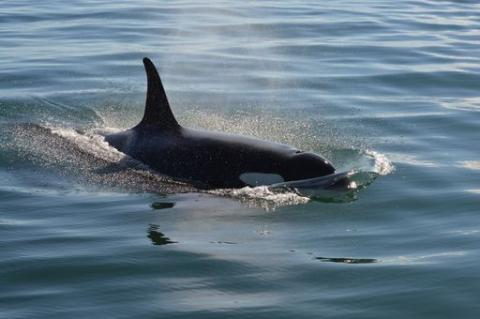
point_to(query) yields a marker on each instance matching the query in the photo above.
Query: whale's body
(209, 159)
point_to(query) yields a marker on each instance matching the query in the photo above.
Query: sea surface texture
(389, 89)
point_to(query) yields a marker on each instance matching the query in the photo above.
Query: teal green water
(389, 85)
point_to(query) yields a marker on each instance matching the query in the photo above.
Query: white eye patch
(256, 179)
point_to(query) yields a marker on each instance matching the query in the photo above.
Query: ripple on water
(461, 103)
(368, 84)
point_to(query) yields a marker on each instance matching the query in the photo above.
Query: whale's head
(305, 165)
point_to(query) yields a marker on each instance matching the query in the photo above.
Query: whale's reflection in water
(162, 205)
(157, 237)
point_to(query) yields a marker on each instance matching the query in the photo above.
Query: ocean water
(386, 87)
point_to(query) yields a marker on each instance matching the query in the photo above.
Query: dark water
(392, 85)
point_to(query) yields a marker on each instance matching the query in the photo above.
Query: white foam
(262, 196)
(382, 165)
(91, 143)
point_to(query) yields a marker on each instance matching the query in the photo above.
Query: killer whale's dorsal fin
(157, 109)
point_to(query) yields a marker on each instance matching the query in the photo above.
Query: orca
(205, 159)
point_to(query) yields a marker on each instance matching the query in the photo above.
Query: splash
(381, 165)
(89, 142)
(86, 156)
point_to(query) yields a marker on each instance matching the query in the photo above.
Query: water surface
(388, 86)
